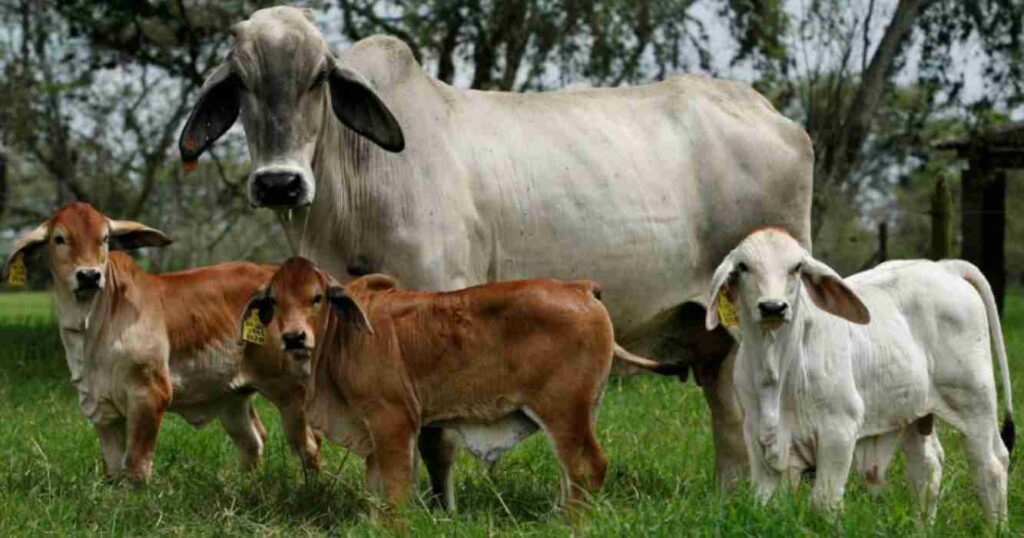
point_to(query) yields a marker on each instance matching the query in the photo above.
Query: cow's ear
(827, 289)
(130, 235)
(359, 107)
(721, 281)
(263, 304)
(219, 102)
(347, 307)
(26, 245)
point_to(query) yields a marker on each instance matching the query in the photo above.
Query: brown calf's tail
(663, 368)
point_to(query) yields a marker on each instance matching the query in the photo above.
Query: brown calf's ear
(358, 106)
(220, 101)
(719, 282)
(129, 235)
(346, 306)
(827, 289)
(26, 245)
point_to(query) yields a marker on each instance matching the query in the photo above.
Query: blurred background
(910, 103)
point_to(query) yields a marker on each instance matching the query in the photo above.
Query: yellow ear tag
(727, 311)
(252, 329)
(17, 274)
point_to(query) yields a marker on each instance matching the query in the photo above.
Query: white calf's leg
(237, 420)
(765, 479)
(990, 462)
(924, 468)
(834, 456)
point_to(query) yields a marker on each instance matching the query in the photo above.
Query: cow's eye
(318, 298)
(106, 239)
(59, 240)
(742, 267)
(798, 267)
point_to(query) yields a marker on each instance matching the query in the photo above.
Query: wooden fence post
(942, 221)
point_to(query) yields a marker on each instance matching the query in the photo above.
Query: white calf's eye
(742, 267)
(798, 267)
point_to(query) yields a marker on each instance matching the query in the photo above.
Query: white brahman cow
(373, 166)
(826, 385)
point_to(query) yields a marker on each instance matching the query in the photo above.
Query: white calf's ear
(26, 245)
(723, 275)
(827, 289)
(128, 235)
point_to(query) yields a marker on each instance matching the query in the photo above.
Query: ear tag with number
(727, 311)
(252, 329)
(17, 275)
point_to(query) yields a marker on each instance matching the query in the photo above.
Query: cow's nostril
(87, 278)
(294, 340)
(278, 189)
(772, 308)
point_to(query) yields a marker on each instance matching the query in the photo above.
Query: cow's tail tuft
(1009, 432)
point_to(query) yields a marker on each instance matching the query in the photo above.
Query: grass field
(655, 431)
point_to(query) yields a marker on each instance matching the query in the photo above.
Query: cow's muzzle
(88, 282)
(773, 313)
(295, 343)
(278, 189)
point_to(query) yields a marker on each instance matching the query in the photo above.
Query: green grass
(655, 432)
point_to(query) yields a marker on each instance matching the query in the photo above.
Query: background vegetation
(654, 430)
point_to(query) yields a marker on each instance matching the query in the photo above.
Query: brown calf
(140, 344)
(386, 362)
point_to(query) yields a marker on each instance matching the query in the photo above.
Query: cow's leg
(989, 460)
(731, 463)
(147, 402)
(570, 425)
(113, 440)
(304, 441)
(834, 456)
(389, 470)
(437, 447)
(237, 419)
(924, 469)
(873, 456)
(765, 479)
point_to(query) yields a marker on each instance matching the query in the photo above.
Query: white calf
(819, 391)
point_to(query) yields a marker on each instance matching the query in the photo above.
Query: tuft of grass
(655, 432)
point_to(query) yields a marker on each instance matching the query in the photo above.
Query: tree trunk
(942, 221)
(839, 152)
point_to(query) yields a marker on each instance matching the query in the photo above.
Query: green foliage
(655, 432)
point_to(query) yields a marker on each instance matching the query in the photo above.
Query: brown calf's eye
(318, 298)
(59, 240)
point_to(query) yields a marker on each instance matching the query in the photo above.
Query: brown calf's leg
(147, 403)
(389, 469)
(237, 419)
(112, 443)
(305, 442)
(572, 431)
(437, 447)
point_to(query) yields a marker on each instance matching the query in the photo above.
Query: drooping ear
(263, 303)
(130, 235)
(215, 112)
(346, 306)
(27, 244)
(827, 289)
(359, 107)
(722, 277)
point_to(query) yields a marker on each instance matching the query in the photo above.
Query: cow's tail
(976, 279)
(663, 368)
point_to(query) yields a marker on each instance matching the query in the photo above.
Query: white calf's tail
(974, 276)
